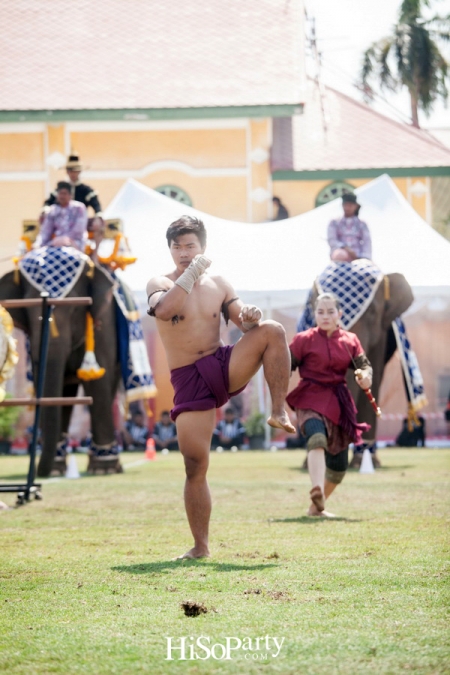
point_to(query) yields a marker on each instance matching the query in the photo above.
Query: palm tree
(410, 57)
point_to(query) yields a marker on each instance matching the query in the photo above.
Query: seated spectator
(447, 415)
(165, 433)
(412, 435)
(29, 436)
(294, 442)
(282, 212)
(135, 433)
(229, 432)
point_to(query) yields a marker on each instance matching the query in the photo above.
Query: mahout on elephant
(98, 347)
(66, 352)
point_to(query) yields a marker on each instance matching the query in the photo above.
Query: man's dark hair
(64, 185)
(186, 225)
(229, 411)
(276, 200)
(165, 412)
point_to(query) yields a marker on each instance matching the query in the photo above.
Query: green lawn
(87, 584)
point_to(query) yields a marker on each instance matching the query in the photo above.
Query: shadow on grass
(313, 520)
(399, 467)
(22, 478)
(165, 566)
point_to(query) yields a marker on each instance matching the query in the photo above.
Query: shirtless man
(204, 373)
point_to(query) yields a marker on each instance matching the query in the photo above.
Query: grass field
(88, 586)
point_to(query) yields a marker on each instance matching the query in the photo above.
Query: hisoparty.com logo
(203, 648)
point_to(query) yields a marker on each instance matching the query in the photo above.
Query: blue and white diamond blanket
(53, 269)
(413, 377)
(135, 367)
(355, 284)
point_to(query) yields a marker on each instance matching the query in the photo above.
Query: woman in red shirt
(325, 409)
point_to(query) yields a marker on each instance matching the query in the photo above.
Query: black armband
(225, 309)
(151, 310)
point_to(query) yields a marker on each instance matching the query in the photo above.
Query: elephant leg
(69, 390)
(51, 417)
(101, 409)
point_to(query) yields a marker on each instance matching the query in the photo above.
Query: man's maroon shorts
(203, 385)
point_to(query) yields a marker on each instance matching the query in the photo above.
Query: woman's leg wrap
(336, 466)
(316, 434)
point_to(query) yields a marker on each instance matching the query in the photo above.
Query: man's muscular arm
(164, 298)
(170, 301)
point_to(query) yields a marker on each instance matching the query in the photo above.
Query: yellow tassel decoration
(91, 270)
(54, 328)
(9, 356)
(147, 408)
(387, 288)
(90, 370)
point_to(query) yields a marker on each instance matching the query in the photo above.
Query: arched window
(176, 193)
(333, 191)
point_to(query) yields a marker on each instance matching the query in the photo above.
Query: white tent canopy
(273, 262)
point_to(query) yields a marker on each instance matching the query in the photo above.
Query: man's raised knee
(273, 328)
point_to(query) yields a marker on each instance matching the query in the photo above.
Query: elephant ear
(101, 289)
(400, 298)
(11, 288)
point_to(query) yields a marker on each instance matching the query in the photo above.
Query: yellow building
(222, 119)
(179, 96)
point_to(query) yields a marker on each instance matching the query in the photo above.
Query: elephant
(66, 352)
(376, 335)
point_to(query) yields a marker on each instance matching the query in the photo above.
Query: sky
(345, 28)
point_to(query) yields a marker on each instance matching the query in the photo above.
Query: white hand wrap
(198, 265)
(248, 325)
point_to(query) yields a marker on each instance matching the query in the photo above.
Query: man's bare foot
(193, 554)
(315, 513)
(317, 498)
(281, 421)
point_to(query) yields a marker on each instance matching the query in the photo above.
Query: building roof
(147, 54)
(356, 137)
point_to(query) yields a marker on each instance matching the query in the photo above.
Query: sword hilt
(368, 393)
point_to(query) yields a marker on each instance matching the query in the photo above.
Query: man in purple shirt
(65, 224)
(349, 237)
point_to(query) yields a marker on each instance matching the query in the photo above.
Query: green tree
(410, 57)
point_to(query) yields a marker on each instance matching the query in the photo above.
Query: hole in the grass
(191, 608)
